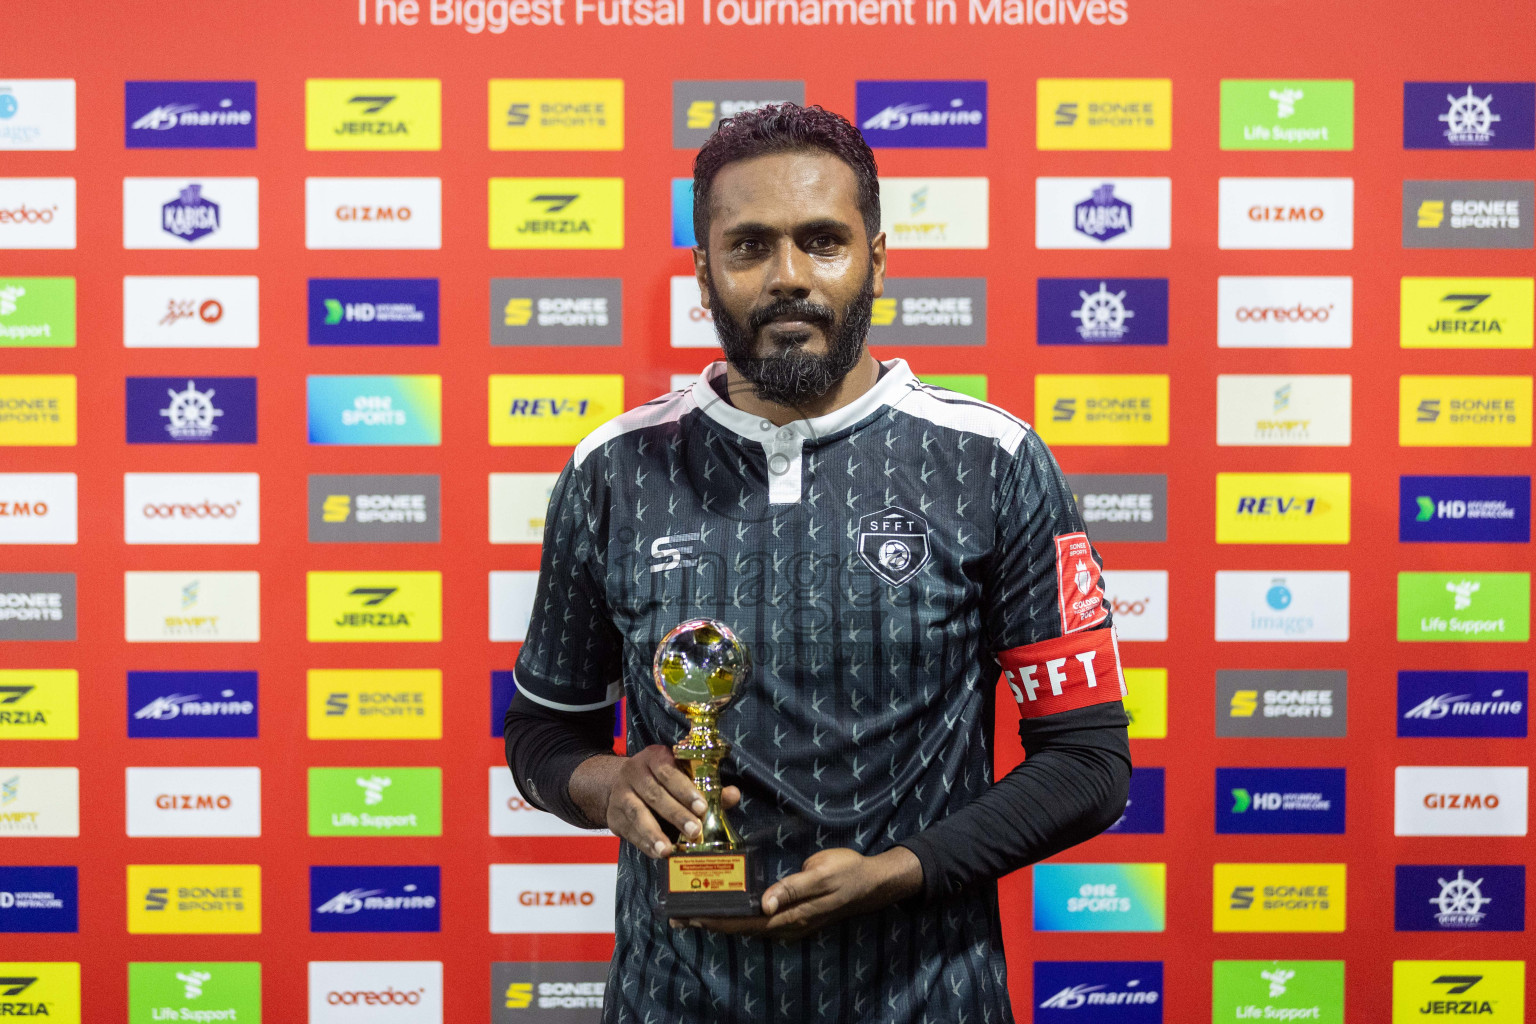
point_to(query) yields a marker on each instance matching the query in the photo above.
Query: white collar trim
(756, 428)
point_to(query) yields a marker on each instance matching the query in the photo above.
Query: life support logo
(894, 544)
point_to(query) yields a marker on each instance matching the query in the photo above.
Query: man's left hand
(830, 885)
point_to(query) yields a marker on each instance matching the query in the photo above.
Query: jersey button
(778, 465)
(786, 434)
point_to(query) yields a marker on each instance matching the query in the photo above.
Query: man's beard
(793, 375)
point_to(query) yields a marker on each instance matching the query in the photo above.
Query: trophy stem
(704, 748)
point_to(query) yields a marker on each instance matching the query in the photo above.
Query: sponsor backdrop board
(372, 290)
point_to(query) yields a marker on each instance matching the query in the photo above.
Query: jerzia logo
(557, 213)
(372, 114)
(894, 544)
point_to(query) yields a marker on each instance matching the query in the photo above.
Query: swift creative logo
(193, 704)
(373, 114)
(1299, 409)
(935, 213)
(1462, 704)
(1469, 115)
(922, 115)
(519, 502)
(189, 115)
(1101, 311)
(1103, 113)
(38, 802)
(191, 607)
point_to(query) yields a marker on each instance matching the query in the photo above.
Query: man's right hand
(630, 794)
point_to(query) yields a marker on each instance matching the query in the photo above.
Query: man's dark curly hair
(785, 128)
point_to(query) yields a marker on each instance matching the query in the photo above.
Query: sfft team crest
(1078, 587)
(894, 544)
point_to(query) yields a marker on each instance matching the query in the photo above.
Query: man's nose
(789, 274)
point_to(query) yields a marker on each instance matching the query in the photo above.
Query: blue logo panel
(1460, 898)
(191, 410)
(1280, 801)
(373, 311)
(1144, 809)
(504, 685)
(1493, 509)
(1469, 115)
(1456, 704)
(189, 115)
(358, 898)
(1098, 991)
(1101, 311)
(186, 705)
(682, 213)
(39, 899)
(923, 115)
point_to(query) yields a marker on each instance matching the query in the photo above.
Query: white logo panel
(193, 801)
(512, 603)
(519, 503)
(1286, 213)
(692, 325)
(934, 213)
(375, 992)
(1282, 606)
(1284, 312)
(1139, 603)
(37, 113)
(552, 899)
(511, 815)
(1460, 801)
(192, 607)
(1103, 213)
(190, 213)
(1274, 410)
(39, 508)
(39, 802)
(191, 508)
(37, 213)
(373, 213)
(190, 312)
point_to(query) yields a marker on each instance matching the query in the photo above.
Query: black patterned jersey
(885, 564)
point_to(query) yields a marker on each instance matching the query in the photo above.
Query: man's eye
(822, 242)
(749, 245)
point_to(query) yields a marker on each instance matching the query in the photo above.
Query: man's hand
(629, 794)
(830, 885)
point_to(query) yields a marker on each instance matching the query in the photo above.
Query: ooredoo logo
(376, 992)
(191, 508)
(37, 213)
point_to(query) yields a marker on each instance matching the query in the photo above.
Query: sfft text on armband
(1064, 673)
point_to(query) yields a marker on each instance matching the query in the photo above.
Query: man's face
(789, 272)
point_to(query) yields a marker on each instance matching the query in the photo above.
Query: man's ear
(877, 264)
(701, 273)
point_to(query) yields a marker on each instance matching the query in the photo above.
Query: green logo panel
(1295, 990)
(375, 801)
(973, 385)
(224, 992)
(1297, 114)
(37, 312)
(1464, 606)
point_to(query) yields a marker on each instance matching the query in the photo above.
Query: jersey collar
(887, 391)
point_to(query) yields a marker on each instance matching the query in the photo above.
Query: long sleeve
(544, 746)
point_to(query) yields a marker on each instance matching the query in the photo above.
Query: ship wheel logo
(1470, 118)
(1102, 315)
(191, 413)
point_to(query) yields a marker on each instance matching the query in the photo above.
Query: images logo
(37, 113)
(1101, 311)
(1301, 409)
(1278, 898)
(194, 802)
(189, 115)
(37, 606)
(557, 310)
(1457, 898)
(1293, 115)
(1486, 606)
(556, 114)
(1477, 412)
(50, 990)
(373, 213)
(39, 704)
(1491, 990)
(184, 705)
(1282, 606)
(37, 213)
(1102, 409)
(196, 410)
(1311, 990)
(697, 107)
(1122, 507)
(1282, 508)
(375, 801)
(552, 899)
(1460, 801)
(1278, 703)
(1469, 115)
(355, 607)
(1286, 213)
(37, 410)
(1467, 214)
(1280, 801)
(373, 311)
(37, 312)
(1099, 897)
(1466, 312)
(194, 992)
(375, 704)
(925, 115)
(194, 899)
(374, 899)
(373, 114)
(1461, 704)
(174, 213)
(551, 409)
(376, 410)
(557, 213)
(934, 213)
(1115, 992)
(39, 899)
(559, 993)
(1144, 805)
(1095, 213)
(1464, 508)
(1103, 113)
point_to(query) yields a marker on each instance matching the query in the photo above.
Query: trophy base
(710, 885)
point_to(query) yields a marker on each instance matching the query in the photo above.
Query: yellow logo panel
(373, 113)
(1146, 702)
(39, 704)
(37, 409)
(557, 113)
(194, 899)
(552, 409)
(1282, 508)
(1104, 113)
(557, 213)
(1278, 898)
(1472, 412)
(375, 704)
(1104, 408)
(40, 991)
(376, 607)
(1489, 990)
(1466, 312)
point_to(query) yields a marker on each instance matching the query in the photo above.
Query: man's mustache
(791, 309)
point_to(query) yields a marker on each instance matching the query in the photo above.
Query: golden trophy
(698, 667)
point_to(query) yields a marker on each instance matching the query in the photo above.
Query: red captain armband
(1064, 673)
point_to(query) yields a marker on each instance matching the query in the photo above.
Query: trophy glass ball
(698, 667)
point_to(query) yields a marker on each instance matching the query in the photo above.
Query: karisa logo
(1102, 216)
(189, 216)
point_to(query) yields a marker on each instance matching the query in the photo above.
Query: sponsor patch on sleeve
(1064, 673)
(1079, 589)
